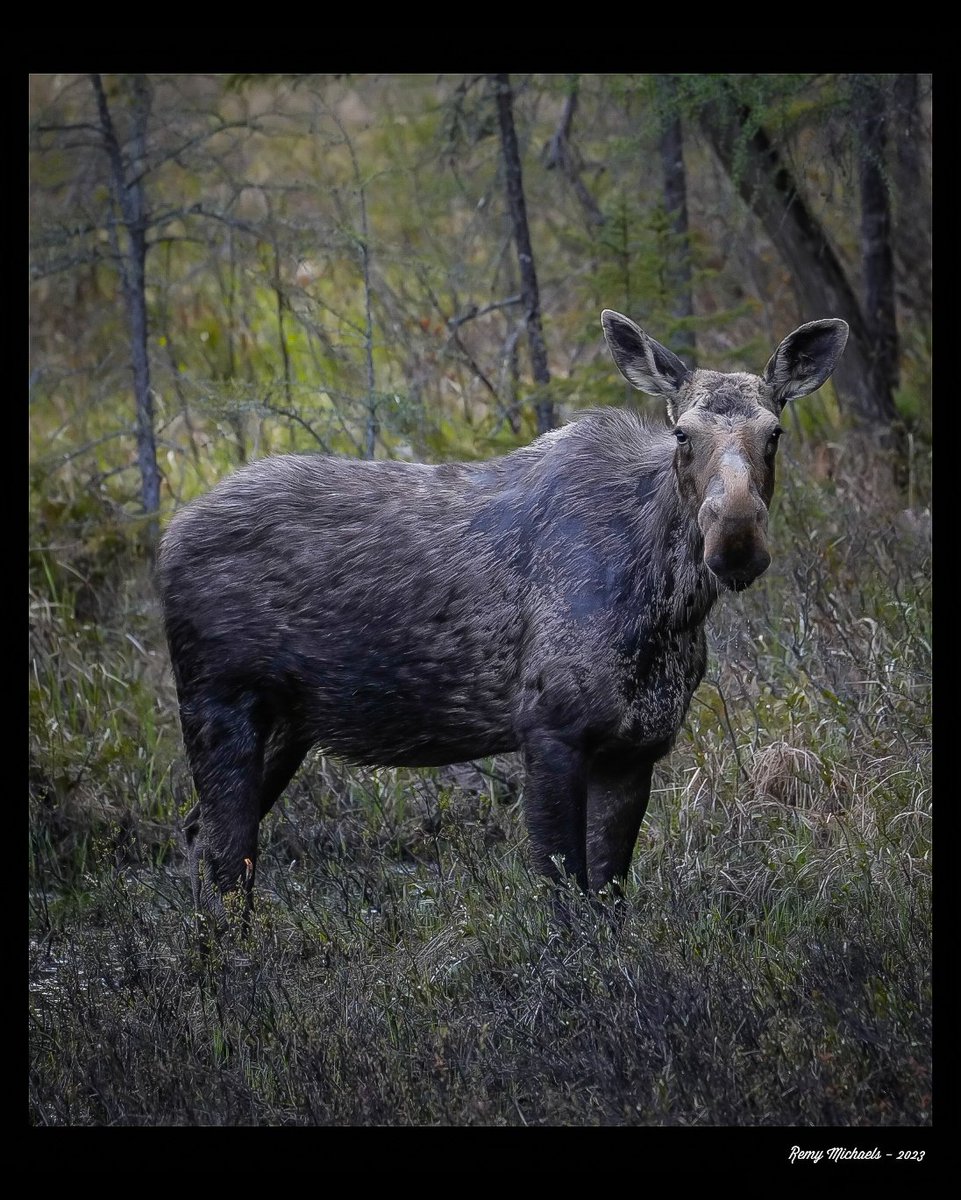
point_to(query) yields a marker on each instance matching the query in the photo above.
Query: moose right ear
(644, 363)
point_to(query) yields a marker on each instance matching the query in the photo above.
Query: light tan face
(727, 442)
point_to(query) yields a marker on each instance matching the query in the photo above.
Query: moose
(551, 601)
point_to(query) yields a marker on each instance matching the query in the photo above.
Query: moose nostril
(709, 515)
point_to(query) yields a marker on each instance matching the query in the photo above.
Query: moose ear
(644, 363)
(805, 359)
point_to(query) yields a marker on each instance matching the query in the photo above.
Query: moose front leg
(617, 796)
(555, 805)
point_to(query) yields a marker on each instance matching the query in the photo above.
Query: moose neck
(672, 587)
(593, 509)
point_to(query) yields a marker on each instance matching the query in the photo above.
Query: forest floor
(769, 965)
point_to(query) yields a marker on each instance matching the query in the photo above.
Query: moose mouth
(735, 581)
(735, 572)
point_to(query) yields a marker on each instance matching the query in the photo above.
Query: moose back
(551, 601)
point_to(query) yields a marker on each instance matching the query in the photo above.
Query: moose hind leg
(617, 800)
(225, 743)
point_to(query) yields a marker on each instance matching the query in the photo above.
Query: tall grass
(770, 964)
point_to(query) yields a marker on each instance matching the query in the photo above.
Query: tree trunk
(912, 230)
(130, 202)
(373, 423)
(822, 286)
(525, 255)
(678, 267)
(146, 442)
(236, 419)
(876, 254)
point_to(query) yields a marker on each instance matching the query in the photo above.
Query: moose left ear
(805, 359)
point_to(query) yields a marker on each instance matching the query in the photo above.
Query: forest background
(410, 266)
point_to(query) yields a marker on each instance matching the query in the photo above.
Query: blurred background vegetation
(413, 266)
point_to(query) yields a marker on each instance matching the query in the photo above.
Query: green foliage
(260, 189)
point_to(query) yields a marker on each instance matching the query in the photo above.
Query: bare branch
(57, 462)
(474, 311)
(292, 415)
(68, 128)
(560, 153)
(205, 135)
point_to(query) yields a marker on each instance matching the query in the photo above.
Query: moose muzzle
(733, 520)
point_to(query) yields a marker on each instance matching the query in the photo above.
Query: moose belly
(411, 700)
(404, 725)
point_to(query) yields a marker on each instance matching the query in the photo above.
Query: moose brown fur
(551, 601)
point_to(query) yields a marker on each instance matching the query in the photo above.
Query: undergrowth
(769, 965)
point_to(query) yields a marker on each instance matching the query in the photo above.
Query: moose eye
(681, 436)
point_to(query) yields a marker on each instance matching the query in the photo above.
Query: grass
(769, 966)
